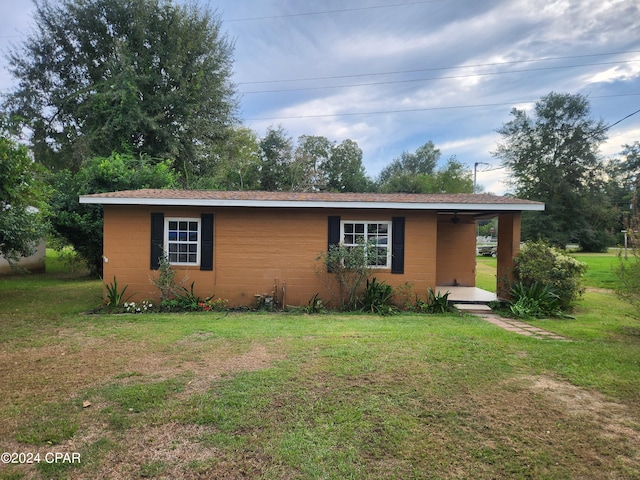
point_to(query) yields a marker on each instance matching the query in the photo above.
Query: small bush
(628, 271)
(534, 301)
(114, 296)
(404, 297)
(314, 305)
(345, 270)
(539, 262)
(435, 303)
(378, 297)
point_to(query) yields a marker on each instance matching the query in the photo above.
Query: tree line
(115, 95)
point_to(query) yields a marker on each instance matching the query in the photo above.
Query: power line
(325, 12)
(447, 77)
(604, 129)
(512, 62)
(426, 109)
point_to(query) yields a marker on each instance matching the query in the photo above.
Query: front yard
(280, 396)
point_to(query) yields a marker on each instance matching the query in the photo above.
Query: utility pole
(475, 173)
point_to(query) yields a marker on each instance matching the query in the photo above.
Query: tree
(277, 154)
(311, 157)
(422, 162)
(235, 163)
(629, 168)
(142, 77)
(454, 177)
(80, 225)
(344, 171)
(553, 157)
(313, 164)
(23, 201)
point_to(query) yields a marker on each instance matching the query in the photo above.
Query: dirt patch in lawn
(61, 372)
(612, 419)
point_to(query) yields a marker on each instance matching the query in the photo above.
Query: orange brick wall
(456, 252)
(255, 248)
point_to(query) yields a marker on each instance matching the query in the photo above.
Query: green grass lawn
(290, 396)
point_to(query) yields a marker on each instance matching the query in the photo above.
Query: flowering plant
(209, 304)
(133, 307)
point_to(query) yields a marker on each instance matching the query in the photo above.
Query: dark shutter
(333, 235)
(397, 245)
(157, 239)
(206, 241)
(334, 231)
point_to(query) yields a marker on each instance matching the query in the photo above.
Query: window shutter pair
(397, 240)
(206, 240)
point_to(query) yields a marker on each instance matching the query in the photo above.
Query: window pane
(372, 228)
(348, 228)
(182, 240)
(348, 239)
(359, 227)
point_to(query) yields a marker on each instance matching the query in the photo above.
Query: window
(182, 241)
(375, 234)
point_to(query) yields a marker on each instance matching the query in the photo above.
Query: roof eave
(196, 202)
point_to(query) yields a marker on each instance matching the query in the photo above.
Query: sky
(394, 74)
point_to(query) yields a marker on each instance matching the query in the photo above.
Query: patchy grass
(284, 396)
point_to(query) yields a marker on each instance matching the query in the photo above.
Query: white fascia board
(195, 202)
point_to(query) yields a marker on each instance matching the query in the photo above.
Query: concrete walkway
(510, 324)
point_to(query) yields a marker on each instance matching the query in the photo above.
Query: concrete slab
(466, 294)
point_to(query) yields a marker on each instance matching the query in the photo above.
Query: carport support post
(508, 248)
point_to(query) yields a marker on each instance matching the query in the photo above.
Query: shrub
(435, 303)
(404, 297)
(534, 301)
(164, 279)
(377, 298)
(628, 269)
(114, 296)
(539, 262)
(345, 270)
(314, 305)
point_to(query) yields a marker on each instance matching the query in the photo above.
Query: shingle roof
(309, 199)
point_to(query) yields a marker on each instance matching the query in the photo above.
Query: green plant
(436, 302)
(346, 270)
(404, 296)
(187, 299)
(314, 305)
(377, 298)
(145, 306)
(628, 268)
(164, 279)
(210, 305)
(114, 296)
(539, 262)
(534, 301)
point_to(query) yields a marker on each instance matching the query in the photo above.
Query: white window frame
(188, 241)
(387, 246)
